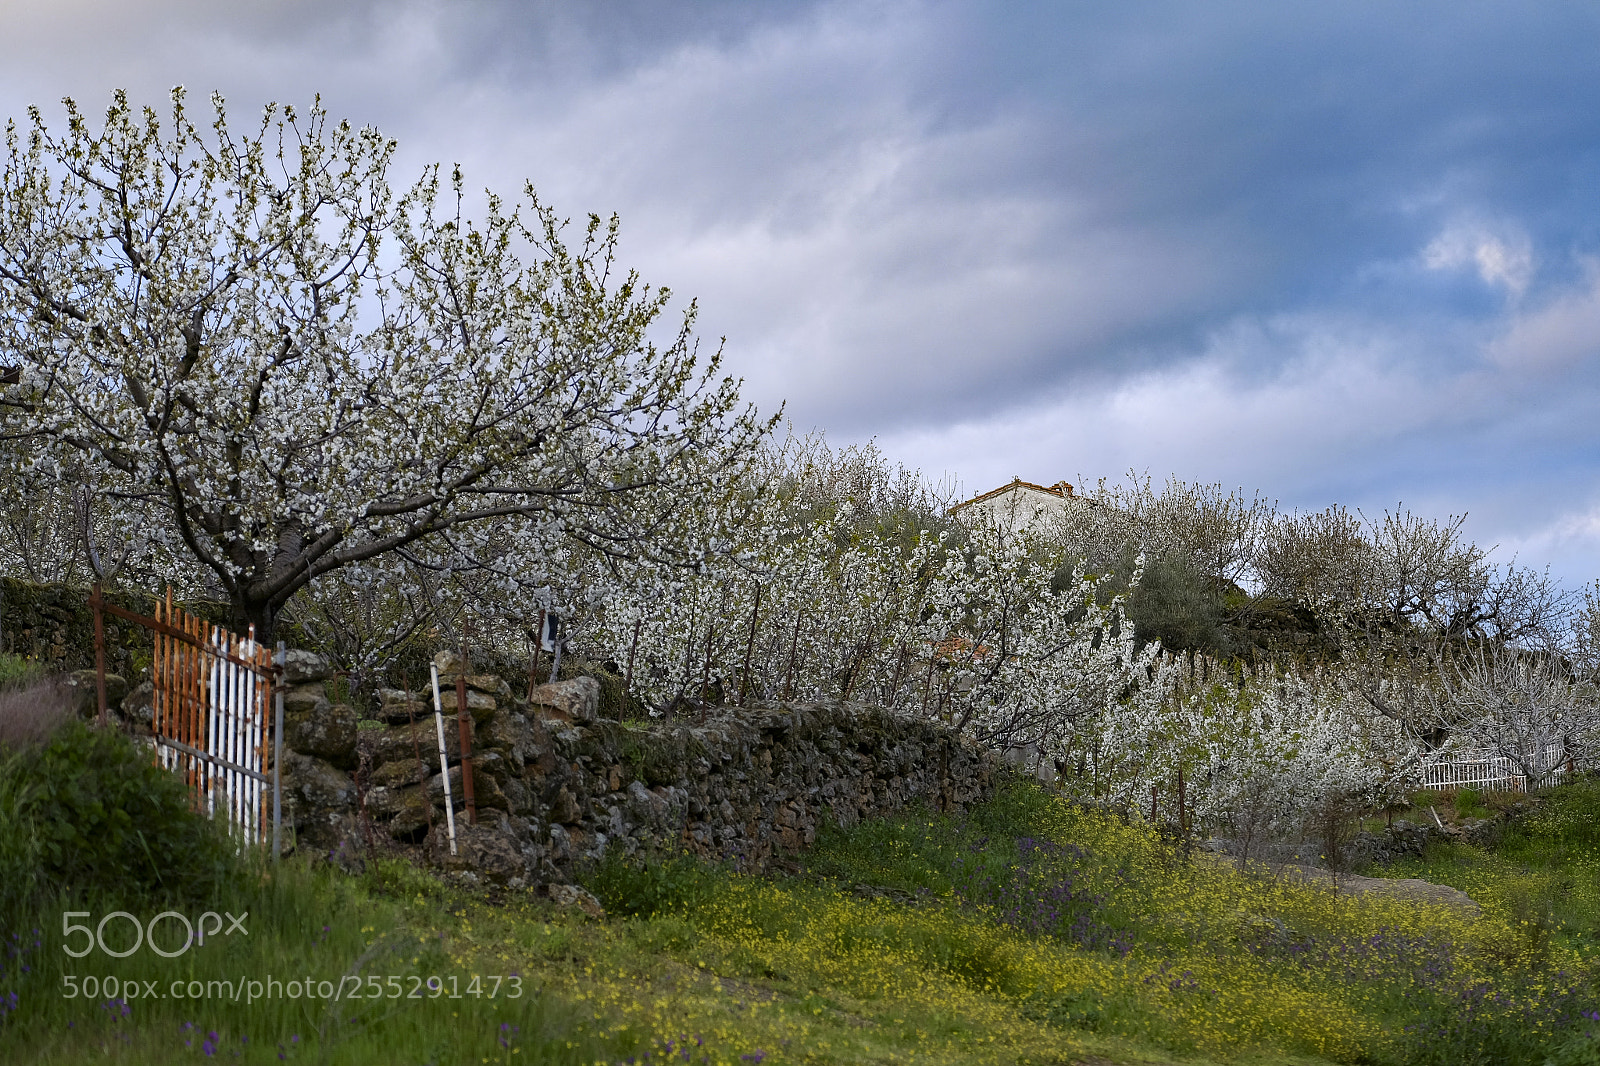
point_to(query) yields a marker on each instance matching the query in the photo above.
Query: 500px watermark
(144, 934)
(250, 990)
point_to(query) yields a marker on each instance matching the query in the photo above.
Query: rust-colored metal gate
(211, 714)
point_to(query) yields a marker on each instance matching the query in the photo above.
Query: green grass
(1031, 931)
(17, 669)
(1544, 875)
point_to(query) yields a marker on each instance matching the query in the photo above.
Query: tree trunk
(259, 614)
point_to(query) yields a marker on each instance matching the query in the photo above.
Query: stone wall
(556, 785)
(53, 625)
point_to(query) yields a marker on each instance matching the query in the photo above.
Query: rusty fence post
(464, 725)
(278, 661)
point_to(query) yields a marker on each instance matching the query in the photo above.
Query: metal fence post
(464, 727)
(444, 760)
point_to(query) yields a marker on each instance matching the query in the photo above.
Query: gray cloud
(1340, 253)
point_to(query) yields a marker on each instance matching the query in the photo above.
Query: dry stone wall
(557, 786)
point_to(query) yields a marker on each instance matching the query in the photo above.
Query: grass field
(1031, 931)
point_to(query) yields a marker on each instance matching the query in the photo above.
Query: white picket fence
(1482, 769)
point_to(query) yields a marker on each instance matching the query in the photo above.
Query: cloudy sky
(1343, 252)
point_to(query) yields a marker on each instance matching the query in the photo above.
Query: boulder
(488, 684)
(405, 742)
(575, 898)
(304, 698)
(488, 850)
(86, 697)
(575, 701)
(404, 713)
(315, 785)
(328, 732)
(448, 663)
(398, 705)
(1409, 888)
(300, 666)
(404, 772)
(510, 734)
(320, 806)
(1406, 888)
(403, 811)
(138, 706)
(486, 791)
(481, 705)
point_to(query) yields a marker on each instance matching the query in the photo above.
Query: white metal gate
(1484, 768)
(212, 719)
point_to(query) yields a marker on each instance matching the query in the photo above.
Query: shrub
(88, 813)
(646, 886)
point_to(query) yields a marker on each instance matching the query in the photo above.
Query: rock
(385, 802)
(1483, 832)
(576, 898)
(511, 734)
(448, 662)
(320, 805)
(488, 850)
(565, 809)
(138, 706)
(404, 713)
(316, 785)
(576, 701)
(405, 742)
(404, 772)
(397, 705)
(662, 808)
(519, 797)
(1407, 888)
(1410, 888)
(86, 697)
(328, 732)
(304, 698)
(300, 666)
(486, 792)
(481, 706)
(404, 811)
(488, 684)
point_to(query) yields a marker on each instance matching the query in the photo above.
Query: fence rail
(1484, 768)
(211, 714)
